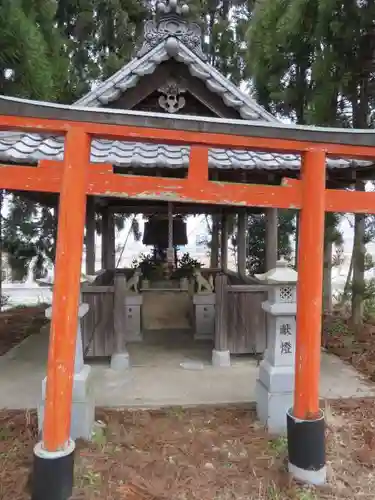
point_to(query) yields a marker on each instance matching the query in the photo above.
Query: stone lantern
(275, 385)
(83, 403)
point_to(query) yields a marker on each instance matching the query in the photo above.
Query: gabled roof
(171, 37)
(172, 48)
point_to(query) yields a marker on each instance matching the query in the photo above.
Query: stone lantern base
(274, 396)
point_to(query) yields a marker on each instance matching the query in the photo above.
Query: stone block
(272, 408)
(83, 405)
(204, 316)
(276, 378)
(220, 359)
(120, 361)
(133, 326)
(134, 300)
(204, 298)
(204, 322)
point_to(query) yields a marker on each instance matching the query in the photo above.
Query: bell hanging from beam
(165, 233)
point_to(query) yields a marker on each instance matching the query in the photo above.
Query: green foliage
(224, 25)
(319, 55)
(367, 292)
(147, 264)
(152, 269)
(256, 234)
(28, 235)
(185, 266)
(32, 63)
(279, 446)
(4, 301)
(338, 326)
(100, 37)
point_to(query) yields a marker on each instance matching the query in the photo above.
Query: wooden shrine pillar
(241, 242)
(108, 240)
(305, 421)
(271, 238)
(220, 353)
(90, 235)
(111, 255)
(224, 242)
(215, 243)
(120, 356)
(54, 455)
(105, 233)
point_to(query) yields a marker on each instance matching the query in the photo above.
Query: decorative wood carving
(171, 99)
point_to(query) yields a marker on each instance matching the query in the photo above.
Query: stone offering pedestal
(133, 314)
(204, 315)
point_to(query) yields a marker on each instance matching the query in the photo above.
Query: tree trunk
(1, 249)
(215, 235)
(327, 276)
(271, 238)
(348, 279)
(360, 106)
(359, 252)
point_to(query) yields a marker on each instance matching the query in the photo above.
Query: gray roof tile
(30, 148)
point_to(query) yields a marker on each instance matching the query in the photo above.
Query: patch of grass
(176, 412)
(99, 436)
(338, 326)
(306, 495)
(91, 478)
(4, 434)
(279, 446)
(369, 309)
(273, 493)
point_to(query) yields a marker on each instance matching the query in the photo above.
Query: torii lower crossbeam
(75, 178)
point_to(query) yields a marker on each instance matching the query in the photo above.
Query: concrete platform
(157, 378)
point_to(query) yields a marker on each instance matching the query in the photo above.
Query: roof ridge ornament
(172, 6)
(171, 24)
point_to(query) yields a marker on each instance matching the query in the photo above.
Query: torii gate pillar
(54, 455)
(305, 421)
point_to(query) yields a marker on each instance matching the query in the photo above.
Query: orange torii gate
(76, 177)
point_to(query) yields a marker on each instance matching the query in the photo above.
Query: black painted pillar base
(306, 449)
(53, 473)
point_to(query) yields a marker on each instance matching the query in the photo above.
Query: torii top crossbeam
(355, 143)
(198, 132)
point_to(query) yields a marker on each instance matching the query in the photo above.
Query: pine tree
(32, 64)
(317, 67)
(100, 38)
(224, 24)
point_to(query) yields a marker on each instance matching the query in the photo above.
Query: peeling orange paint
(309, 291)
(66, 290)
(76, 177)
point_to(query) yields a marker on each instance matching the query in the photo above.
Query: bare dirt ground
(358, 350)
(18, 324)
(205, 454)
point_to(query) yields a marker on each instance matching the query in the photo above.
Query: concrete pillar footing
(220, 359)
(120, 361)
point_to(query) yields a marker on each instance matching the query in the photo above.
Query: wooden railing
(98, 324)
(240, 325)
